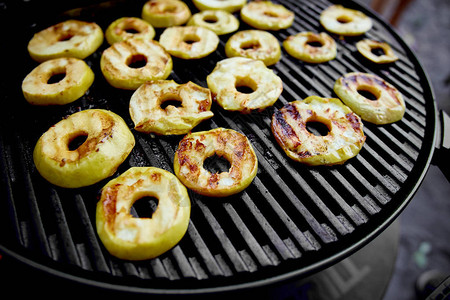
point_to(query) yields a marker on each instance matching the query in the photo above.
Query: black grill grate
(292, 220)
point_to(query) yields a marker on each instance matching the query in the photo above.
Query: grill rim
(330, 260)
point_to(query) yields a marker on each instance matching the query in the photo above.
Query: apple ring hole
(65, 37)
(76, 141)
(57, 77)
(378, 51)
(369, 92)
(344, 19)
(137, 61)
(210, 19)
(171, 100)
(216, 164)
(191, 39)
(270, 14)
(245, 85)
(169, 9)
(317, 128)
(250, 45)
(315, 44)
(144, 207)
(131, 30)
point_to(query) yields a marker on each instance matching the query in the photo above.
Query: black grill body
(292, 221)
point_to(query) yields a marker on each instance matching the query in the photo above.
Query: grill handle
(441, 156)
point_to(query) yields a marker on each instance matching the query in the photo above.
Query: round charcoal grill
(292, 221)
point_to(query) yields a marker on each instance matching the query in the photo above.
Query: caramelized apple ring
(388, 107)
(345, 21)
(139, 238)
(230, 6)
(233, 73)
(129, 27)
(189, 42)
(148, 116)
(219, 21)
(266, 15)
(366, 46)
(299, 47)
(343, 141)
(71, 38)
(195, 147)
(165, 13)
(256, 44)
(117, 63)
(77, 78)
(108, 141)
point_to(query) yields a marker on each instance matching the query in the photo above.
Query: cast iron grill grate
(293, 219)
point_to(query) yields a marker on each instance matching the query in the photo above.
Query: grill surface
(291, 221)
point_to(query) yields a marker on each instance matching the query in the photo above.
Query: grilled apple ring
(233, 74)
(301, 47)
(108, 141)
(387, 106)
(77, 76)
(165, 13)
(139, 238)
(230, 6)
(219, 21)
(266, 15)
(345, 21)
(129, 27)
(189, 42)
(367, 46)
(148, 115)
(71, 38)
(256, 44)
(345, 136)
(194, 148)
(130, 63)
